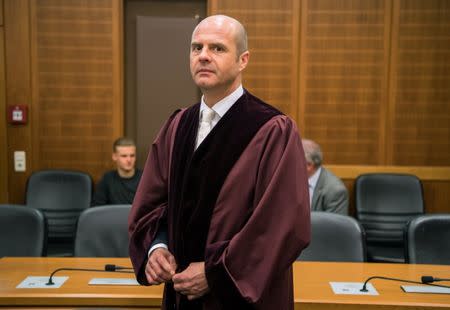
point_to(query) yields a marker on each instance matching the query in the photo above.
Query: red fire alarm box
(17, 114)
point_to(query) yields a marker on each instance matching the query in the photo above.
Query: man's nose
(204, 54)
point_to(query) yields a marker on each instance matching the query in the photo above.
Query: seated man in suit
(119, 186)
(326, 191)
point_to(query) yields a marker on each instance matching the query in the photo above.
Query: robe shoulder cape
(259, 224)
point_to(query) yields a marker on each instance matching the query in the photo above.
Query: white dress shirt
(220, 108)
(312, 182)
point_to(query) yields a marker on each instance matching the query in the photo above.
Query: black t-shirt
(113, 189)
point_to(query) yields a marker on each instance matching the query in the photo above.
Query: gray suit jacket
(330, 194)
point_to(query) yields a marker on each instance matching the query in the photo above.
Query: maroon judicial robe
(239, 203)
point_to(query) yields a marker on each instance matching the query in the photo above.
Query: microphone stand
(364, 288)
(50, 279)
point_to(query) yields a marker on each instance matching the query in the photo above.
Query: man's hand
(192, 281)
(160, 266)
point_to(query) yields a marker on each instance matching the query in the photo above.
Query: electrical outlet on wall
(20, 162)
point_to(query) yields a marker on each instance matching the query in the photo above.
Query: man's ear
(114, 156)
(243, 60)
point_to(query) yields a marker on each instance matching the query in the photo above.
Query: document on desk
(352, 288)
(41, 282)
(113, 281)
(425, 289)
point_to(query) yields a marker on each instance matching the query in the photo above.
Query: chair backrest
(23, 231)
(102, 231)
(385, 203)
(428, 239)
(334, 237)
(61, 195)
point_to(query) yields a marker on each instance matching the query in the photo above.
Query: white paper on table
(113, 281)
(425, 289)
(41, 282)
(352, 288)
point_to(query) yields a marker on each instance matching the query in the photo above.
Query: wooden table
(75, 292)
(312, 289)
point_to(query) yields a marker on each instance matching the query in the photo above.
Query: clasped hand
(161, 267)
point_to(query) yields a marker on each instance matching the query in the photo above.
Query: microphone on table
(431, 279)
(108, 268)
(111, 267)
(364, 288)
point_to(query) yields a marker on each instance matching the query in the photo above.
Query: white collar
(222, 106)
(312, 180)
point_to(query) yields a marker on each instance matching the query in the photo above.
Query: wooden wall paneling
(18, 91)
(34, 118)
(421, 94)
(3, 131)
(389, 137)
(77, 83)
(212, 7)
(118, 68)
(296, 41)
(424, 173)
(3, 141)
(386, 105)
(436, 196)
(301, 106)
(272, 33)
(1, 12)
(343, 78)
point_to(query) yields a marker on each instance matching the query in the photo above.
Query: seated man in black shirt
(119, 186)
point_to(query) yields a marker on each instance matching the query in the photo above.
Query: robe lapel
(316, 195)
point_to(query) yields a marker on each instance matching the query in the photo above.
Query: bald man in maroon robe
(222, 209)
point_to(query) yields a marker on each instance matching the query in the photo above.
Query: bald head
(232, 25)
(313, 153)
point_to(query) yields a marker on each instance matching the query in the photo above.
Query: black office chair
(334, 238)
(384, 204)
(102, 231)
(427, 239)
(23, 231)
(61, 195)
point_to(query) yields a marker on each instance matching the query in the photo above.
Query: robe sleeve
(149, 208)
(278, 227)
